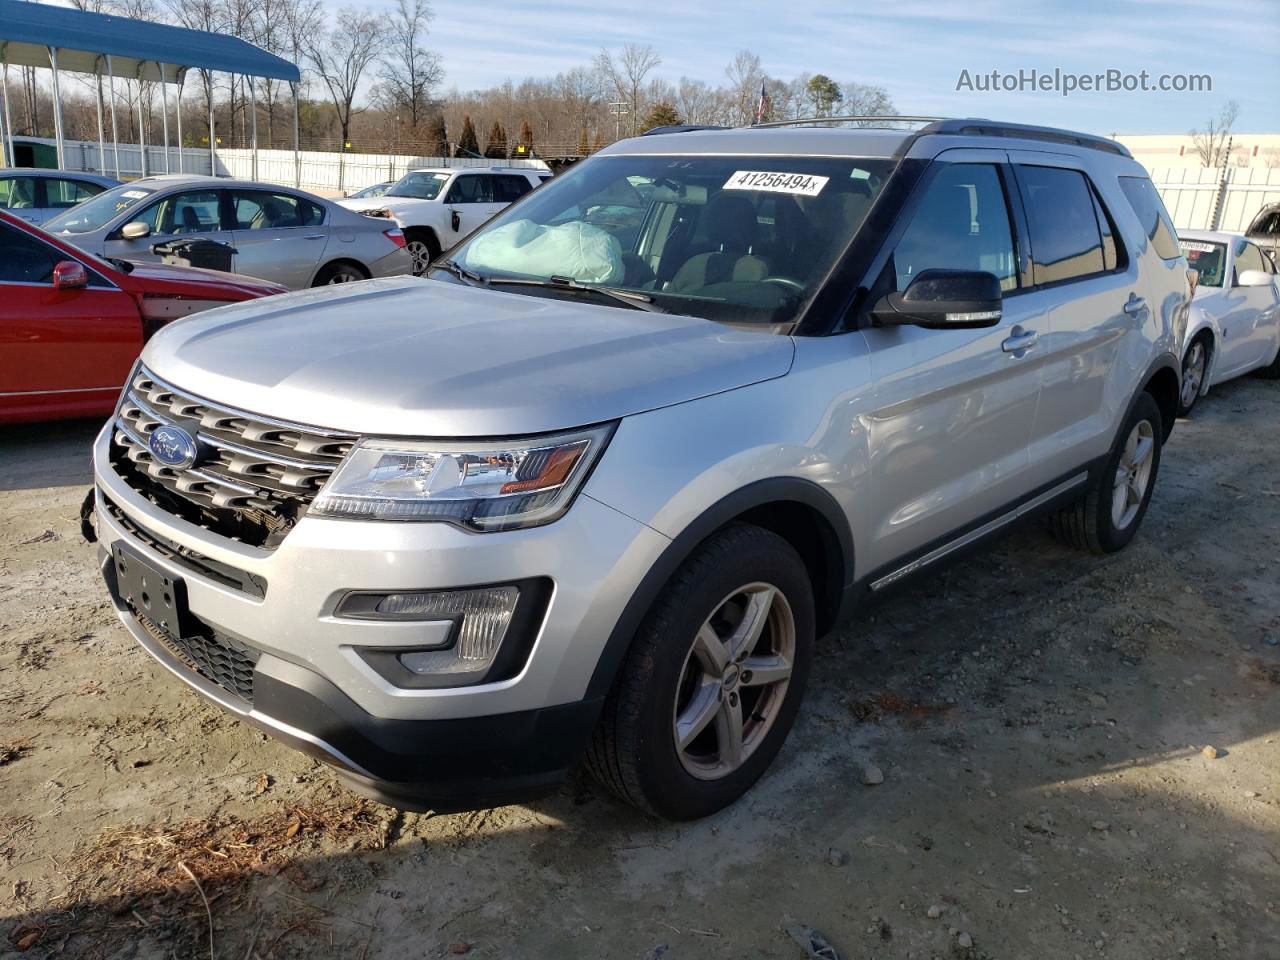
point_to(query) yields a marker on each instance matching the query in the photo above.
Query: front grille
(254, 478)
(217, 658)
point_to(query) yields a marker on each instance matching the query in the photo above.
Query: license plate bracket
(154, 594)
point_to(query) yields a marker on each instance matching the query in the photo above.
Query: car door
(62, 193)
(62, 352)
(953, 408)
(183, 213)
(1093, 296)
(278, 236)
(19, 196)
(1254, 318)
(471, 200)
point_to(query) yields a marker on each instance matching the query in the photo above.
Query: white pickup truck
(438, 206)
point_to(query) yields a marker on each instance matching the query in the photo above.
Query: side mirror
(1254, 278)
(70, 275)
(135, 230)
(943, 300)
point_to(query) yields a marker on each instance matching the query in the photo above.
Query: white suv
(594, 488)
(438, 206)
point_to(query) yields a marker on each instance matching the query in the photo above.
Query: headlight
(488, 487)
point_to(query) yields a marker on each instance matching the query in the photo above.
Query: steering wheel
(795, 285)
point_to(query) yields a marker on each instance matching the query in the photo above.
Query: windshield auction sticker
(800, 184)
(1197, 246)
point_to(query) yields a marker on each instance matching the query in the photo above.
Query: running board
(979, 532)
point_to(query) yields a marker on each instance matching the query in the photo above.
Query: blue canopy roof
(136, 47)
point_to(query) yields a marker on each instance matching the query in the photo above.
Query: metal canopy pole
(182, 75)
(142, 133)
(164, 114)
(115, 140)
(297, 156)
(102, 140)
(253, 124)
(57, 110)
(213, 139)
(6, 132)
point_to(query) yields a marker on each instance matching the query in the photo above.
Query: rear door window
(260, 210)
(511, 187)
(1066, 240)
(67, 193)
(1142, 196)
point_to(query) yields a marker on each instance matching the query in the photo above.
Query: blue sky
(916, 49)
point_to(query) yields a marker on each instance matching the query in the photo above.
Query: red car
(71, 325)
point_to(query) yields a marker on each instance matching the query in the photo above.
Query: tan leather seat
(731, 227)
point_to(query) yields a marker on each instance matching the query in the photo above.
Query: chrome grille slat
(263, 472)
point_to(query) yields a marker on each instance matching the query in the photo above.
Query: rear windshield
(1207, 259)
(96, 212)
(741, 239)
(419, 186)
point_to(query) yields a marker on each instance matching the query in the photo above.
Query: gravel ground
(1039, 719)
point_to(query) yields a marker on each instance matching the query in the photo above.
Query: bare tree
(1212, 144)
(409, 71)
(866, 100)
(626, 75)
(341, 56)
(745, 80)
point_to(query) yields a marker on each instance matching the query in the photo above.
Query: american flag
(762, 110)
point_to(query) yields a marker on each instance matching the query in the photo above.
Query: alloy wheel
(1193, 369)
(734, 681)
(421, 255)
(345, 275)
(1133, 474)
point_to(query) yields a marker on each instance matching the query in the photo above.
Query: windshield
(738, 239)
(420, 186)
(377, 190)
(1207, 259)
(96, 212)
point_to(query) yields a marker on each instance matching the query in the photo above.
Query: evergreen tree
(661, 115)
(468, 145)
(437, 137)
(497, 148)
(524, 146)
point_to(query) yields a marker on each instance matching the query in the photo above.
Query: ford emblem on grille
(173, 447)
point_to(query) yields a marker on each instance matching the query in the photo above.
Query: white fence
(323, 173)
(1203, 199)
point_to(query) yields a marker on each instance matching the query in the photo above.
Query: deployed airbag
(575, 250)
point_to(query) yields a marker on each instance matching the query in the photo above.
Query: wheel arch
(799, 511)
(426, 231)
(1164, 382)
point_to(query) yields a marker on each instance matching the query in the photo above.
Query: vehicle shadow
(1038, 714)
(34, 456)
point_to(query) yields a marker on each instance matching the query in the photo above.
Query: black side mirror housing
(943, 300)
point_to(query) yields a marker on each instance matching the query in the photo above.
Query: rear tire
(1106, 518)
(340, 271)
(1195, 369)
(701, 707)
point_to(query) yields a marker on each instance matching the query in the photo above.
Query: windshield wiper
(462, 273)
(629, 298)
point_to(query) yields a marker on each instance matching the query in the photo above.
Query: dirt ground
(1039, 717)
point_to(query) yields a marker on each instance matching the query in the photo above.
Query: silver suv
(594, 488)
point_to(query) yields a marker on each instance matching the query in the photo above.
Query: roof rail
(869, 121)
(681, 128)
(977, 127)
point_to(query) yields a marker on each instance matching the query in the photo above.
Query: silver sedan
(280, 234)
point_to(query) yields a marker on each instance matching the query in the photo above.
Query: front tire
(422, 247)
(713, 680)
(1195, 368)
(1107, 517)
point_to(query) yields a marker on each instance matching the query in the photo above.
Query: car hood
(413, 357)
(216, 285)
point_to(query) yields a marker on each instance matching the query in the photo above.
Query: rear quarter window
(1146, 203)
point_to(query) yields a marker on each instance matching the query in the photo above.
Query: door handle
(314, 236)
(1135, 305)
(1020, 341)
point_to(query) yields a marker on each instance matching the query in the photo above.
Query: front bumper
(438, 748)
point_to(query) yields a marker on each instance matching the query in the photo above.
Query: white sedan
(1235, 314)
